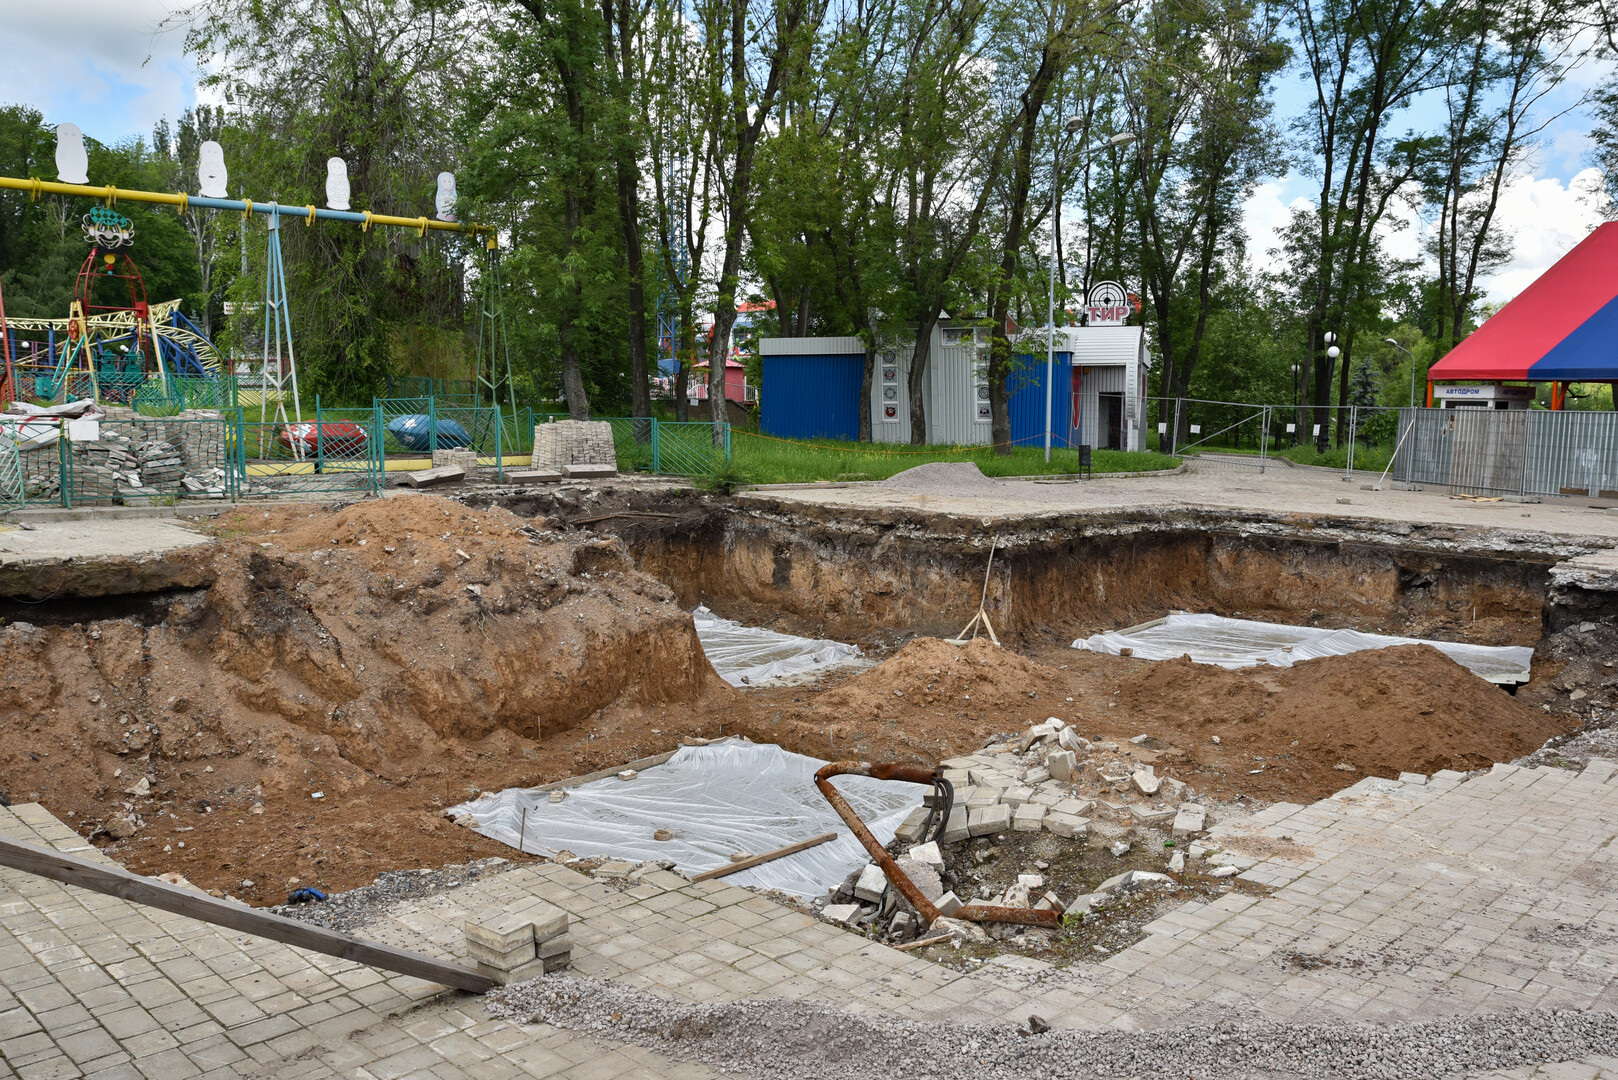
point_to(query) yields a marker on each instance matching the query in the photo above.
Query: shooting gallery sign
(1107, 305)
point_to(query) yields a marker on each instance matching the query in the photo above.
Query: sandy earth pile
(344, 675)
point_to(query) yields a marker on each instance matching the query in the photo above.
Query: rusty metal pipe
(913, 774)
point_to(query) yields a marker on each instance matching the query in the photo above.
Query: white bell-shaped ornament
(212, 176)
(72, 162)
(446, 196)
(337, 190)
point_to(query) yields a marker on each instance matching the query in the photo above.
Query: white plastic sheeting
(750, 654)
(1234, 643)
(725, 798)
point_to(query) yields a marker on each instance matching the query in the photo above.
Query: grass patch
(761, 460)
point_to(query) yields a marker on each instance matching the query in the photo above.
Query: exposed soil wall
(851, 580)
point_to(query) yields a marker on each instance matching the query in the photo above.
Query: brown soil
(398, 656)
(394, 657)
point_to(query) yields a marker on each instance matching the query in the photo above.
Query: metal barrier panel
(340, 450)
(690, 449)
(1517, 451)
(11, 486)
(472, 428)
(149, 460)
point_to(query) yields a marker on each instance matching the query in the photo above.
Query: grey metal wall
(1509, 452)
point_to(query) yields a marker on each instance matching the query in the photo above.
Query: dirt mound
(928, 701)
(1380, 711)
(943, 478)
(343, 676)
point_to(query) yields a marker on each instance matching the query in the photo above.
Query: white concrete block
(1062, 765)
(871, 884)
(989, 820)
(1029, 817)
(1066, 825)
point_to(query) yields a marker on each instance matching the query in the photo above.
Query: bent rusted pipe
(912, 774)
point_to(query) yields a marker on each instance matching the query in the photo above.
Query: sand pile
(1385, 711)
(342, 674)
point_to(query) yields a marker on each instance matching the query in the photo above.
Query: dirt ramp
(1381, 711)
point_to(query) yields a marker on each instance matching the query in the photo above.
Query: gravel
(352, 911)
(799, 1040)
(943, 478)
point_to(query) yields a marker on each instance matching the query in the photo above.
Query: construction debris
(521, 944)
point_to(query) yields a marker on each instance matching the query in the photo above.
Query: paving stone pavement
(1393, 900)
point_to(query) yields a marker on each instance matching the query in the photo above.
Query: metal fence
(1509, 452)
(339, 450)
(425, 425)
(11, 486)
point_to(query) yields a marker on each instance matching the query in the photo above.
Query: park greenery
(865, 167)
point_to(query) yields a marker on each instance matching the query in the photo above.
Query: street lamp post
(1407, 352)
(1073, 124)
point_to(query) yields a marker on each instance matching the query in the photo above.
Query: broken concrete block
(1223, 871)
(1066, 825)
(948, 904)
(957, 828)
(1016, 796)
(503, 960)
(846, 914)
(1046, 797)
(1141, 740)
(1177, 863)
(923, 877)
(1080, 906)
(1062, 764)
(910, 831)
(871, 884)
(960, 930)
(579, 471)
(1029, 817)
(446, 474)
(533, 476)
(901, 925)
(1145, 780)
(989, 820)
(1416, 778)
(1116, 883)
(1146, 878)
(1032, 881)
(614, 869)
(1190, 819)
(1068, 739)
(928, 853)
(1174, 789)
(1014, 896)
(1075, 807)
(1119, 848)
(1037, 776)
(1152, 815)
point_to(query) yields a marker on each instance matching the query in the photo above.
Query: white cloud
(1266, 214)
(1545, 219)
(107, 65)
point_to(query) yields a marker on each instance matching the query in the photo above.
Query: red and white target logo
(1107, 305)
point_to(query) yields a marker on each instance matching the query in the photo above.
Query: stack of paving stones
(520, 944)
(464, 457)
(574, 448)
(41, 471)
(104, 468)
(139, 456)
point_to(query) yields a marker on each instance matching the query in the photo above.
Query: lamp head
(1074, 123)
(1390, 341)
(1122, 138)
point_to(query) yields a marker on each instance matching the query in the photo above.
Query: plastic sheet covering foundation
(1236, 643)
(730, 797)
(748, 655)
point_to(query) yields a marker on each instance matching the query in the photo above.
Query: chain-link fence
(1509, 452)
(664, 447)
(425, 425)
(340, 450)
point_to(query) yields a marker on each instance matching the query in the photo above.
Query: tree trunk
(918, 369)
(627, 166)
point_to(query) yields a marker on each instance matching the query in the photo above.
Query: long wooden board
(116, 881)
(768, 856)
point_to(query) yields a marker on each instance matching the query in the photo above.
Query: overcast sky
(110, 67)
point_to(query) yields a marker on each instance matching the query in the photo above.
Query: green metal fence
(339, 450)
(11, 485)
(149, 460)
(422, 426)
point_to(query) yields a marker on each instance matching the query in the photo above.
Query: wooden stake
(768, 856)
(921, 943)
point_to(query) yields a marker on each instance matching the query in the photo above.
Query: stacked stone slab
(517, 945)
(464, 458)
(574, 446)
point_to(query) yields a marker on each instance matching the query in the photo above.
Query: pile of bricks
(575, 447)
(462, 457)
(514, 946)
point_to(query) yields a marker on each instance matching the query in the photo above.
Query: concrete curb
(114, 513)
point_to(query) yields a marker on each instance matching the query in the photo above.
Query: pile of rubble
(1082, 808)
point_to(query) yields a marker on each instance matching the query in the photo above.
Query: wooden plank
(116, 881)
(922, 943)
(768, 856)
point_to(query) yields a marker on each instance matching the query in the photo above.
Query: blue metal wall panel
(1025, 394)
(812, 397)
